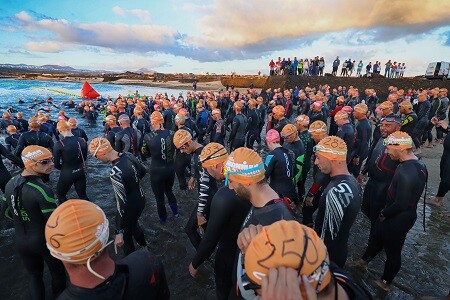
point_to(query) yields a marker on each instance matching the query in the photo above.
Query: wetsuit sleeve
(120, 194)
(403, 193)
(84, 136)
(204, 190)
(363, 142)
(141, 170)
(269, 165)
(8, 143)
(57, 155)
(118, 142)
(218, 216)
(50, 142)
(5, 210)
(20, 146)
(234, 128)
(11, 156)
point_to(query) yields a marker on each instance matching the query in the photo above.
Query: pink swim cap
(272, 136)
(347, 109)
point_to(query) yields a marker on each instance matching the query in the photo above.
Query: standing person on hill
(70, 154)
(336, 64)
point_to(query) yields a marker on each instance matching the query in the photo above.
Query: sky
(222, 36)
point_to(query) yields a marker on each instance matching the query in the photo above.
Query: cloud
(119, 11)
(141, 14)
(46, 47)
(131, 64)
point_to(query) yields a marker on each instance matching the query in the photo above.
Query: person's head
(443, 92)
(37, 160)
(422, 97)
(137, 112)
(390, 124)
(111, 121)
(341, 118)
(11, 129)
(331, 152)
(405, 107)
(213, 158)
(64, 128)
(124, 121)
(278, 112)
(6, 115)
(398, 145)
(237, 107)
(360, 111)
(34, 124)
(76, 233)
(252, 103)
(19, 116)
(183, 141)
(387, 108)
(307, 254)
(244, 169)
(302, 122)
(318, 130)
(289, 133)
(157, 120)
(101, 149)
(216, 114)
(272, 139)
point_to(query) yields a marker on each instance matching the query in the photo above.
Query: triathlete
(128, 139)
(225, 219)
(409, 119)
(6, 121)
(126, 174)
(238, 127)
(70, 154)
(77, 131)
(169, 116)
(29, 203)
(276, 119)
(207, 186)
(398, 217)
(77, 233)
(302, 124)
(139, 122)
(347, 132)
(244, 173)
(386, 108)
(422, 109)
(254, 134)
(12, 139)
(218, 131)
(340, 201)
(112, 129)
(363, 137)
(294, 143)
(182, 160)
(262, 112)
(22, 125)
(5, 176)
(158, 144)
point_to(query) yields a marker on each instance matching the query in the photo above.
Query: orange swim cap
(215, 112)
(77, 232)
(272, 136)
(398, 140)
(303, 119)
(156, 118)
(72, 122)
(110, 119)
(238, 105)
(33, 122)
(33, 154)
(288, 130)
(19, 115)
(62, 126)
(11, 129)
(318, 127)
(278, 111)
(244, 166)
(137, 111)
(213, 154)
(181, 137)
(406, 104)
(332, 148)
(99, 146)
(386, 105)
(362, 108)
(340, 115)
(292, 245)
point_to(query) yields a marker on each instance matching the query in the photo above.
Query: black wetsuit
(169, 119)
(159, 146)
(5, 176)
(139, 275)
(409, 122)
(70, 155)
(308, 142)
(400, 212)
(79, 133)
(12, 141)
(32, 137)
(30, 203)
(111, 135)
(238, 131)
(298, 149)
(352, 289)
(254, 134)
(218, 132)
(338, 207)
(142, 125)
(380, 168)
(207, 187)
(22, 125)
(280, 171)
(125, 177)
(444, 166)
(348, 133)
(275, 210)
(182, 164)
(225, 219)
(363, 135)
(128, 140)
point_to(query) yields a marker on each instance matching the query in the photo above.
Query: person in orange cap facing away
(346, 131)
(225, 219)
(218, 131)
(22, 125)
(363, 137)
(77, 234)
(245, 175)
(169, 116)
(159, 146)
(253, 115)
(400, 213)
(288, 271)
(111, 129)
(12, 139)
(340, 201)
(77, 131)
(302, 123)
(238, 127)
(126, 174)
(139, 122)
(30, 203)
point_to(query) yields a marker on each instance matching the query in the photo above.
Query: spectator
(336, 64)
(387, 70)
(272, 67)
(359, 69)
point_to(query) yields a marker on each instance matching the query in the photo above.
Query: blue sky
(222, 36)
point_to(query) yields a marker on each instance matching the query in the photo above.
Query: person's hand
(191, 183)
(434, 121)
(192, 271)
(200, 219)
(356, 161)
(269, 117)
(118, 241)
(361, 178)
(443, 124)
(309, 201)
(284, 283)
(246, 236)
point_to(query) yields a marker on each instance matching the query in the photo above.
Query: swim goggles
(227, 172)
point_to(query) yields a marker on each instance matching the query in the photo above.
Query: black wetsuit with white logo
(128, 140)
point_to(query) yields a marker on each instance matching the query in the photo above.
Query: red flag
(87, 91)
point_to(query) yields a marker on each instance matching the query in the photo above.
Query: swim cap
(244, 166)
(183, 112)
(19, 115)
(156, 118)
(278, 111)
(113, 109)
(137, 111)
(216, 112)
(288, 129)
(124, 118)
(317, 105)
(303, 119)
(213, 154)
(99, 146)
(347, 109)
(32, 154)
(62, 126)
(181, 137)
(77, 231)
(272, 136)
(386, 105)
(33, 122)
(238, 105)
(292, 245)
(252, 103)
(110, 119)
(72, 122)
(166, 103)
(361, 107)
(317, 127)
(332, 148)
(11, 129)
(406, 104)
(6, 115)
(340, 115)
(398, 140)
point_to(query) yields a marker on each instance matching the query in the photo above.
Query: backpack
(203, 118)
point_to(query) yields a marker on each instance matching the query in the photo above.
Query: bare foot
(381, 284)
(436, 201)
(360, 263)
